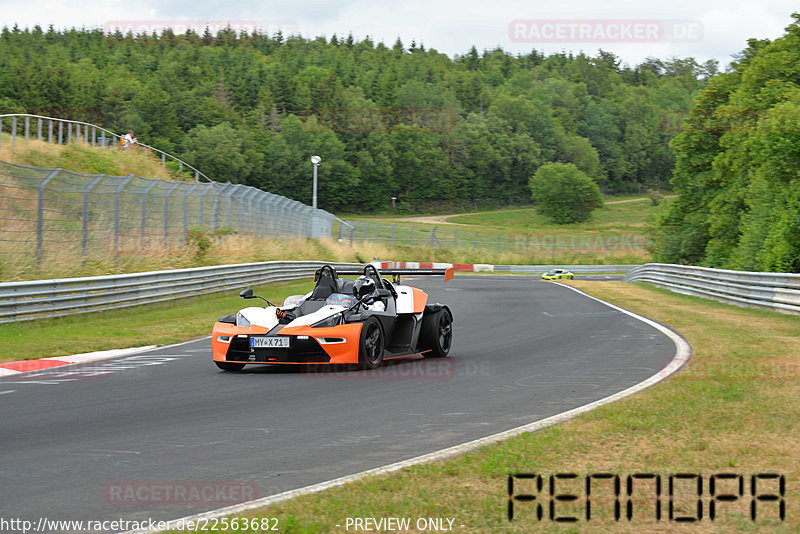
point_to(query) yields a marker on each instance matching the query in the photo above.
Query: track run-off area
(164, 434)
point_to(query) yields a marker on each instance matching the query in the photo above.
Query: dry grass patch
(85, 158)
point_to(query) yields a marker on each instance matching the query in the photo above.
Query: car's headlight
(333, 320)
(241, 320)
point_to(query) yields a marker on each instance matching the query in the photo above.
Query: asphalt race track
(523, 350)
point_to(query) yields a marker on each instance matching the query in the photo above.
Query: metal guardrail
(770, 291)
(78, 132)
(21, 301)
(576, 269)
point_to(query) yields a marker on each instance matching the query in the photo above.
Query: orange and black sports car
(341, 321)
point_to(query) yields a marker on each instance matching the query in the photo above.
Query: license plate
(269, 342)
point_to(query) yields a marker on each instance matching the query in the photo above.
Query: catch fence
(53, 211)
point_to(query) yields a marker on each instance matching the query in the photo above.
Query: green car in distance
(557, 274)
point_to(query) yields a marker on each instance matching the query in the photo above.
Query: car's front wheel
(437, 333)
(230, 366)
(370, 349)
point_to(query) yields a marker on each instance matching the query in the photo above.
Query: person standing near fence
(128, 140)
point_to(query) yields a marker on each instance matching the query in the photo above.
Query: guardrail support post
(166, 213)
(262, 216)
(27, 129)
(13, 131)
(117, 193)
(186, 195)
(203, 205)
(229, 195)
(85, 225)
(39, 129)
(49, 131)
(60, 133)
(40, 216)
(144, 211)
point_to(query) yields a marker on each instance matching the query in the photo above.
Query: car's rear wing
(396, 273)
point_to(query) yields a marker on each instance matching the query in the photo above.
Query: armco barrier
(577, 269)
(523, 269)
(771, 291)
(20, 301)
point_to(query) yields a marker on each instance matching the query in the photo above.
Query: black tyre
(370, 347)
(230, 366)
(437, 333)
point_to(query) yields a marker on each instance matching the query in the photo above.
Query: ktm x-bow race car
(341, 321)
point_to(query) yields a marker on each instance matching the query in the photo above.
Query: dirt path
(442, 219)
(429, 219)
(636, 199)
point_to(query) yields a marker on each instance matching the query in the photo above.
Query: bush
(655, 196)
(564, 194)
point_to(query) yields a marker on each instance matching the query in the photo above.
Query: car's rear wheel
(370, 348)
(230, 366)
(437, 333)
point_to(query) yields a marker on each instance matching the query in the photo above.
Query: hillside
(388, 120)
(84, 158)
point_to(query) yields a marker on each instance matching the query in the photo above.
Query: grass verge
(80, 157)
(733, 409)
(153, 324)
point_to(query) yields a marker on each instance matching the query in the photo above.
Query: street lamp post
(315, 160)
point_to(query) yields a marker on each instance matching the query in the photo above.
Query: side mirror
(247, 294)
(383, 293)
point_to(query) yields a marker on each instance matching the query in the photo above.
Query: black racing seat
(345, 286)
(326, 284)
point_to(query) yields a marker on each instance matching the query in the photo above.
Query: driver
(365, 286)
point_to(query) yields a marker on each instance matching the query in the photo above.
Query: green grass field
(619, 216)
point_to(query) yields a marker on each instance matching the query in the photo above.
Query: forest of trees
(388, 121)
(738, 166)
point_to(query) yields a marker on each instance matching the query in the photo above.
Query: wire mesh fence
(451, 236)
(53, 211)
(65, 131)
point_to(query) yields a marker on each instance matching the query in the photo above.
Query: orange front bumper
(340, 343)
